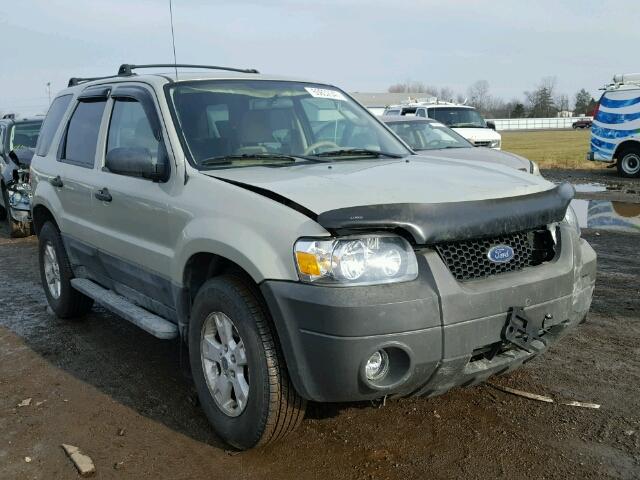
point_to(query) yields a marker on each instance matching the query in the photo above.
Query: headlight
(361, 260)
(494, 144)
(15, 198)
(535, 169)
(572, 219)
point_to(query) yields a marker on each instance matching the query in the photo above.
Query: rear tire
(56, 275)
(267, 407)
(629, 162)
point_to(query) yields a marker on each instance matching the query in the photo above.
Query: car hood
(478, 134)
(24, 154)
(482, 154)
(418, 179)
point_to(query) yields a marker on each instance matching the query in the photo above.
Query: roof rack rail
(73, 81)
(127, 69)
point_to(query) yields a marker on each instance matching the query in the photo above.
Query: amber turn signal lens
(307, 263)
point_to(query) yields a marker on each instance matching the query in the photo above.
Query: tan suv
(296, 245)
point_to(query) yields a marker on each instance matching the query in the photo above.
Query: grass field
(551, 148)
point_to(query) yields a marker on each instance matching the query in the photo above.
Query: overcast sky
(360, 45)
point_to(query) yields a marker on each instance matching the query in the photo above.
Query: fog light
(377, 365)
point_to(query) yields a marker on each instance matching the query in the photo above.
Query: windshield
(24, 135)
(422, 135)
(458, 117)
(262, 121)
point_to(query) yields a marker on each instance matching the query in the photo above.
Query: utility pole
(49, 91)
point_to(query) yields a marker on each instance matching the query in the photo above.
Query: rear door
(77, 160)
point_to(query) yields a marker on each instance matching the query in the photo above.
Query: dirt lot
(90, 379)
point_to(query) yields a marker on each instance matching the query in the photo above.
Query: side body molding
(441, 222)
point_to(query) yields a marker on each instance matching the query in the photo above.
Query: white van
(464, 119)
(615, 134)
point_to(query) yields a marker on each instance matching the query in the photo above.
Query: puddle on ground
(591, 187)
(607, 215)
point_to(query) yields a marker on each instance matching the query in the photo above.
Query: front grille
(468, 259)
(482, 143)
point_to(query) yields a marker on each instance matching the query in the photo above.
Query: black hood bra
(441, 222)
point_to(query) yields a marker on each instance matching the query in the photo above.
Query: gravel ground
(121, 396)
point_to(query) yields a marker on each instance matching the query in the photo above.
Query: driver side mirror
(491, 125)
(137, 162)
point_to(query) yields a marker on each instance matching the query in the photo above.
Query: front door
(131, 211)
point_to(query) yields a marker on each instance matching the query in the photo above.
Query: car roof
(428, 105)
(159, 79)
(405, 119)
(21, 120)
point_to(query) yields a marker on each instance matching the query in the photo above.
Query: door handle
(103, 195)
(56, 182)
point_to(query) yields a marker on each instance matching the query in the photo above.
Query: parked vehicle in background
(582, 123)
(18, 139)
(429, 136)
(464, 119)
(298, 247)
(615, 134)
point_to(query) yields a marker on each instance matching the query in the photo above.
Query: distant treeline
(543, 101)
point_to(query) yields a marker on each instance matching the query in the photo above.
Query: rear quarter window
(51, 124)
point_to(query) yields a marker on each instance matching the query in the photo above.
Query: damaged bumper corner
(443, 333)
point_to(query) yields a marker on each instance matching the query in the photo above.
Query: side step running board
(155, 325)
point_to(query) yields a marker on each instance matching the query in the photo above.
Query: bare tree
(407, 87)
(479, 95)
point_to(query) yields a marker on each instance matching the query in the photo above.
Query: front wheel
(629, 163)
(237, 367)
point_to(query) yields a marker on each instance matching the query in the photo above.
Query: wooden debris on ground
(521, 393)
(543, 398)
(83, 463)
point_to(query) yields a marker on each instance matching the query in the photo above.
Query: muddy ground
(120, 395)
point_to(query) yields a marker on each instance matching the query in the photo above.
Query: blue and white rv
(615, 134)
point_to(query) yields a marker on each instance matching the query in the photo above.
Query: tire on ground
(70, 303)
(273, 409)
(629, 162)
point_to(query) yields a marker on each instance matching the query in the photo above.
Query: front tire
(56, 275)
(238, 370)
(629, 163)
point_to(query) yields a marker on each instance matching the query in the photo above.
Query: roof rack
(127, 69)
(73, 81)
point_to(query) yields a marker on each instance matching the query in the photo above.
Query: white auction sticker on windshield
(325, 93)
(436, 124)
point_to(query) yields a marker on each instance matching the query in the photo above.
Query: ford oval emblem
(500, 254)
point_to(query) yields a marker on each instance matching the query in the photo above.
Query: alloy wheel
(224, 361)
(52, 271)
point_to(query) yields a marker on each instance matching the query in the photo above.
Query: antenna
(173, 40)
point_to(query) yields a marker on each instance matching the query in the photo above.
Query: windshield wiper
(465, 125)
(356, 152)
(227, 159)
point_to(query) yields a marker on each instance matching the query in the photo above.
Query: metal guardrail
(536, 123)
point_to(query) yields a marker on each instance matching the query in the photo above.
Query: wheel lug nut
(226, 349)
(233, 358)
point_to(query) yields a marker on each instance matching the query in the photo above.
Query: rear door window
(82, 134)
(51, 123)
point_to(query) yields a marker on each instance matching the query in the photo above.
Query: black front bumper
(436, 327)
